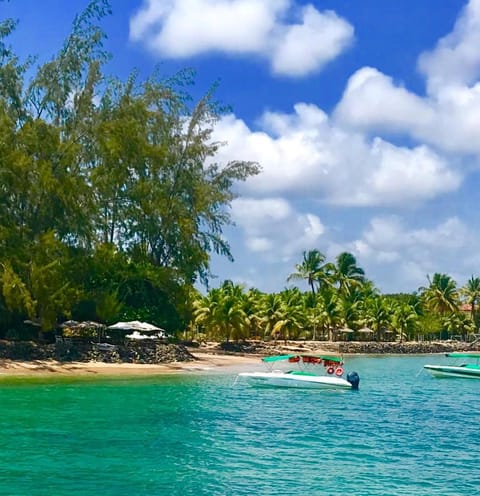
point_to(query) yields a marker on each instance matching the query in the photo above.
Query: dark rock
(146, 351)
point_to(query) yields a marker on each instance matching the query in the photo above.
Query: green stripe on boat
(461, 354)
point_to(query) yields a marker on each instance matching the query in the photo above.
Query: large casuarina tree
(91, 165)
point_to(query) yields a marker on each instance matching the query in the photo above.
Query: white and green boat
(466, 365)
(312, 371)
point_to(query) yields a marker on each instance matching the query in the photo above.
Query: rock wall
(361, 347)
(150, 352)
(406, 347)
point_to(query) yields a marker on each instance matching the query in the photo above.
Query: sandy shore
(203, 362)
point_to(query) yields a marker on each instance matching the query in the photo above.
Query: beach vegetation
(111, 199)
(112, 203)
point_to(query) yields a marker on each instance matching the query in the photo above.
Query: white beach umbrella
(366, 330)
(345, 330)
(141, 327)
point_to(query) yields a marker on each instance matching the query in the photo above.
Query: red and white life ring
(330, 370)
(339, 371)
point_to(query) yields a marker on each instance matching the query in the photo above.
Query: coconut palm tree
(441, 295)
(252, 306)
(378, 315)
(291, 315)
(458, 323)
(405, 321)
(471, 291)
(331, 314)
(347, 274)
(221, 313)
(269, 312)
(313, 313)
(312, 269)
(206, 314)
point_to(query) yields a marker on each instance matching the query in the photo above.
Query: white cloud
(305, 155)
(346, 160)
(401, 257)
(272, 227)
(447, 118)
(456, 58)
(185, 28)
(303, 48)
(371, 100)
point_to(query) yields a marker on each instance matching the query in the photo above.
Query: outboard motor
(354, 379)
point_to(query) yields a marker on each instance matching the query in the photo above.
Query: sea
(208, 433)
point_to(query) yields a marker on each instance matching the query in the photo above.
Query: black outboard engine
(354, 379)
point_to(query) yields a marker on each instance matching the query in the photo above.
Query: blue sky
(365, 117)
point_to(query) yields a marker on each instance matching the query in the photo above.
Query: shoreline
(51, 368)
(203, 362)
(210, 357)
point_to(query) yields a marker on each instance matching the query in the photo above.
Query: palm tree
(441, 295)
(270, 311)
(471, 291)
(458, 323)
(221, 312)
(205, 312)
(405, 321)
(377, 315)
(346, 273)
(291, 315)
(252, 306)
(312, 269)
(313, 313)
(331, 314)
(235, 320)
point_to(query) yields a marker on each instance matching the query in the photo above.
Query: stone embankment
(344, 347)
(156, 352)
(145, 351)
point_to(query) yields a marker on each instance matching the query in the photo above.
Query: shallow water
(402, 433)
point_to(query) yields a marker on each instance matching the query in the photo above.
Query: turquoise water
(402, 433)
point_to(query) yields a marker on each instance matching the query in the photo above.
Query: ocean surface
(402, 433)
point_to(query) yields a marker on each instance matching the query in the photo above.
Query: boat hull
(280, 379)
(468, 372)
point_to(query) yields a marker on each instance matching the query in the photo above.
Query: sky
(363, 115)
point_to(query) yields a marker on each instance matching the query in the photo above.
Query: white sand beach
(202, 362)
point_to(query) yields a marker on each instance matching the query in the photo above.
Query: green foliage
(108, 307)
(313, 270)
(111, 202)
(15, 293)
(441, 295)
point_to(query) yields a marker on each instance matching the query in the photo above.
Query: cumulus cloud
(304, 154)
(358, 157)
(419, 252)
(399, 257)
(295, 47)
(303, 48)
(372, 100)
(447, 118)
(456, 58)
(273, 227)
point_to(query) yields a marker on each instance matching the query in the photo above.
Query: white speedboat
(462, 370)
(313, 371)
